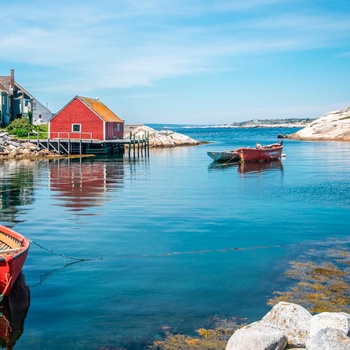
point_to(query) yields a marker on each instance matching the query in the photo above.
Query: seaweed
(319, 287)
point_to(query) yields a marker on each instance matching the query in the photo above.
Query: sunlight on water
(181, 238)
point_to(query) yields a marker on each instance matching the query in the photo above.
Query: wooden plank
(10, 242)
(7, 251)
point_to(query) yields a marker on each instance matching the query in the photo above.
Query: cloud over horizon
(83, 47)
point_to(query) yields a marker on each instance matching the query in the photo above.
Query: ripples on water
(182, 238)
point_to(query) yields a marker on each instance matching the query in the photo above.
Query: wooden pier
(137, 146)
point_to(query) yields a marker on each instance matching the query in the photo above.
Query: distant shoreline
(227, 126)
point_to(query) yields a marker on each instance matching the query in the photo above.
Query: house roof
(5, 82)
(100, 109)
(2, 88)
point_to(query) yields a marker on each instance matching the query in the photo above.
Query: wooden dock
(137, 146)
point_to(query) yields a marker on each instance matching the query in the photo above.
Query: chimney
(12, 80)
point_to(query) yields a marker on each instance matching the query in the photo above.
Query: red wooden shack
(86, 118)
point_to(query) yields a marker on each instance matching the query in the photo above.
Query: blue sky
(183, 61)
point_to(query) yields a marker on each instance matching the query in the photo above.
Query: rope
(234, 249)
(230, 161)
(47, 274)
(204, 251)
(65, 256)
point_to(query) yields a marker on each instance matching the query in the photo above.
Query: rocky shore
(332, 126)
(11, 148)
(162, 138)
(290, 326)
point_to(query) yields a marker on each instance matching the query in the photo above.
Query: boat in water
(258, 153)
(13, 253)
(224, 156)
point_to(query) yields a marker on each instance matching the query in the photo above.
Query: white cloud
(132, 43)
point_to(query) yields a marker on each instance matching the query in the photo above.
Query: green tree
(19, 127)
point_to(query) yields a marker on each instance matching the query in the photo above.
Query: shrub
(19, 127)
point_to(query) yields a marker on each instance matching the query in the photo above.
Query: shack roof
(100, 109)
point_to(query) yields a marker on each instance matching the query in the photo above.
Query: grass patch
(345, 118)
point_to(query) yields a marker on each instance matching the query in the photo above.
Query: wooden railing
(73, 135)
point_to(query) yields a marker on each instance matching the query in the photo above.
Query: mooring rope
(65, 256)
(49, 273)
(237, 249)
(203, 251)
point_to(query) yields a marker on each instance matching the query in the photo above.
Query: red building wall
(76, 113)
(114, 131)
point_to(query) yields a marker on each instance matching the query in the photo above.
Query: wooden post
(148, 143)
(138, 146)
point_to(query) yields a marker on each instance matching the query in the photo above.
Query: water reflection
(14, 310)
(83, 182)
(259, 168)
(16, 187)
(222, 166)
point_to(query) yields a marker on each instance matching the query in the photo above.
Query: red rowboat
(260, 153)
(13, 253)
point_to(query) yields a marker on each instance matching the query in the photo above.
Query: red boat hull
(261, 154)
(11, 263)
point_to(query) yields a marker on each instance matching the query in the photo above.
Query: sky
(182, 61)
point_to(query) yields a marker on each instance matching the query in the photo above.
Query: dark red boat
(260, 153)
(13, 253)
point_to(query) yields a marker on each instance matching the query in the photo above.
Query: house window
(76, 127)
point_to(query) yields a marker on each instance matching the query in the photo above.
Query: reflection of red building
(82, 183)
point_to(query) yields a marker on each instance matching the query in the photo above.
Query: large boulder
(290, 326)
(333, 126)
(292, 319)
(257, 336)
(337, 320)
(328, 339)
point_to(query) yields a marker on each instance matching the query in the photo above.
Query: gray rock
(29, 145)
(328, 339)
(337, 320)
(333, 126)
(162, 138)
(292, 319)
(256, 336)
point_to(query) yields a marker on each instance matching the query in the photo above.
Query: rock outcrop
(163, 138)
(11, 148)
(290, 326)
(333, 126)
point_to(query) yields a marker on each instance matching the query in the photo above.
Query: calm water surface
(165, 227)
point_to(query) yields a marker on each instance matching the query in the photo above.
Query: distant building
(86, 118)
(16, 102)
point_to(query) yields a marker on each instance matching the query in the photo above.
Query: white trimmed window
(76, 127)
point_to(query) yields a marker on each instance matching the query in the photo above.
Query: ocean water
(174, 239)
